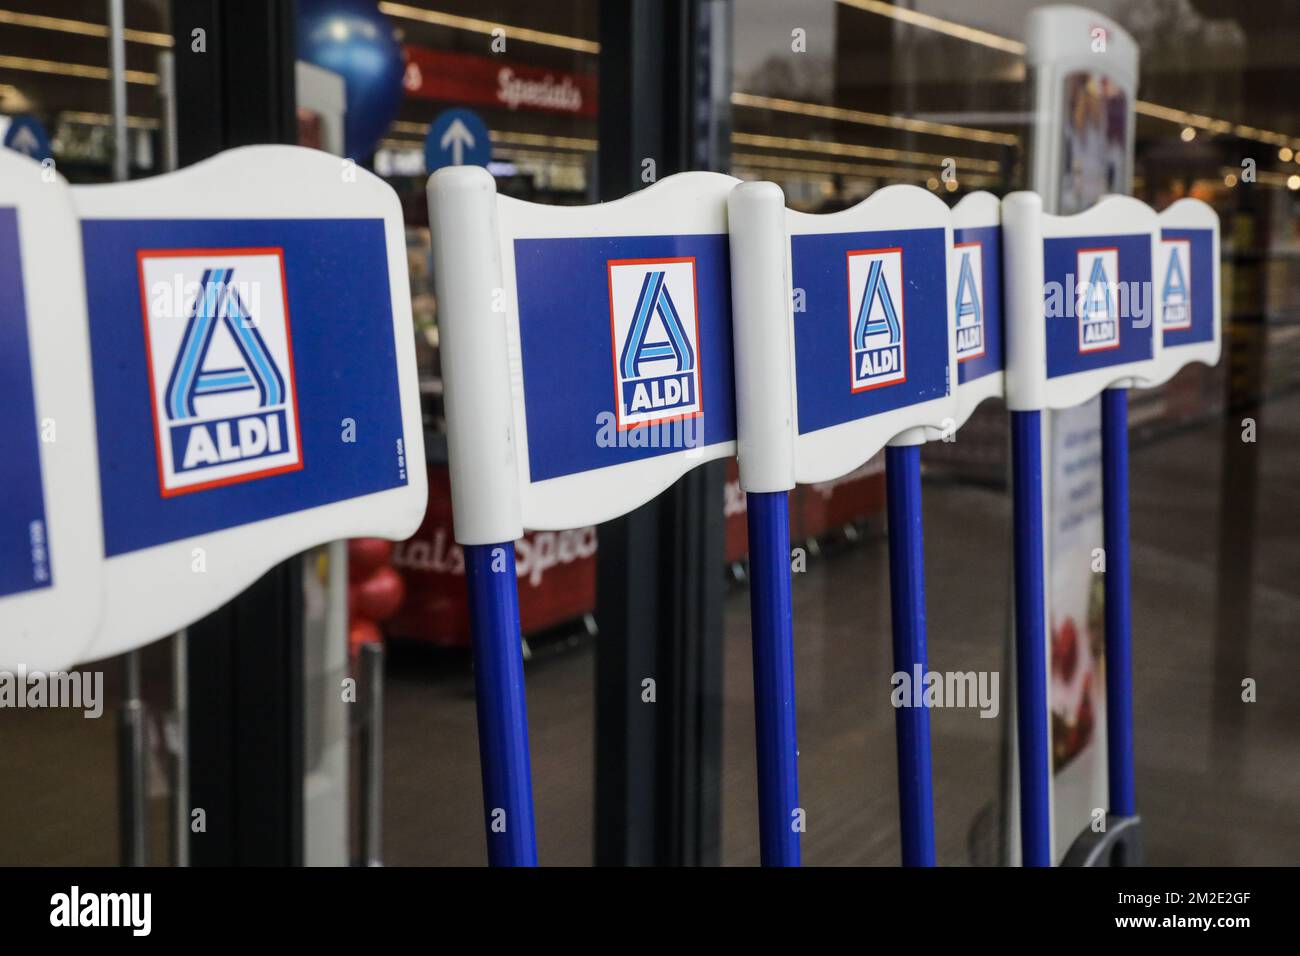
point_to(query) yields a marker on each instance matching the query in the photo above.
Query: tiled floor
(1216, 581)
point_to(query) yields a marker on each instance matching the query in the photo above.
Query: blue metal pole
(1119, 601)
(1031, 639)
(774, 711)
(907, 611)
(502, 710)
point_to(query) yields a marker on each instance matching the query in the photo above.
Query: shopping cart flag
(976, 278)
(871, 293)
(1082, 311)
(254, 374)
(1188, 305)
(586, 351)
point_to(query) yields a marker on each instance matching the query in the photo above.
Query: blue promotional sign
(24, 548)
(977, 301)
(457, 137)
(626, 347)
(874, 336)
(223, 371)
(27, 135)
(1098, 303)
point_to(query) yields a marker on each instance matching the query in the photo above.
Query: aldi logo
(876, 318)
(654, 322)
(1097, 299)
(220, 360)
(1175, 265)
(969, 309)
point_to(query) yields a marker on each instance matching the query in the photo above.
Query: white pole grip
(762, 336)
(913, 436)
(1022, 253)
(475, 357)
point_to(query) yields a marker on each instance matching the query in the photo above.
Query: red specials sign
(465, 78)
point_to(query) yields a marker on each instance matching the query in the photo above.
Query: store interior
(832, 101)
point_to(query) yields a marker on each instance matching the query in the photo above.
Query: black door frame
(235, 87)
(660, 575)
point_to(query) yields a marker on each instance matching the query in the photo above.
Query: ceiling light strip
(83, 71)
(38, 21)
(474, 25)
(103, 119)
(758, 161)
(862, 117)
(928, 21)
(1212, 125)
(864, 152)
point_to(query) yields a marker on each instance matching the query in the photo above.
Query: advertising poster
(1075, 619)
(1094, 148)
(1083, 73)
(1094, 162)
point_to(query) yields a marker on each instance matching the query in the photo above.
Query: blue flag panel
(626, 346)
(24, 549)
(1099, 302)
(242, 370)
(978, 302)
(872, 335)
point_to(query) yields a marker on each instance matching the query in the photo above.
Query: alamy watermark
(946, 689)
(75, 908)
(76, 690)
(677, 433)
(1128, 300)
(178, 297)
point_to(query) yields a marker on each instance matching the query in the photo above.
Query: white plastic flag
(555, 420)
(254, 374)
(50, 551)
(1187, 289)
(1080, 305)
(873, 331)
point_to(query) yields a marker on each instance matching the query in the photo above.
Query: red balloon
(361, 631)
(367, 555)
(379, 596)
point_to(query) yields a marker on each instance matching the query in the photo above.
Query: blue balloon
(356, 41)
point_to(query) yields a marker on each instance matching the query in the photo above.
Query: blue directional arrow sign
(458, 137)
(26, 135)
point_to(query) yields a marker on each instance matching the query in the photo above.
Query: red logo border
(902, 318)
(277, 251)
(613, 342)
